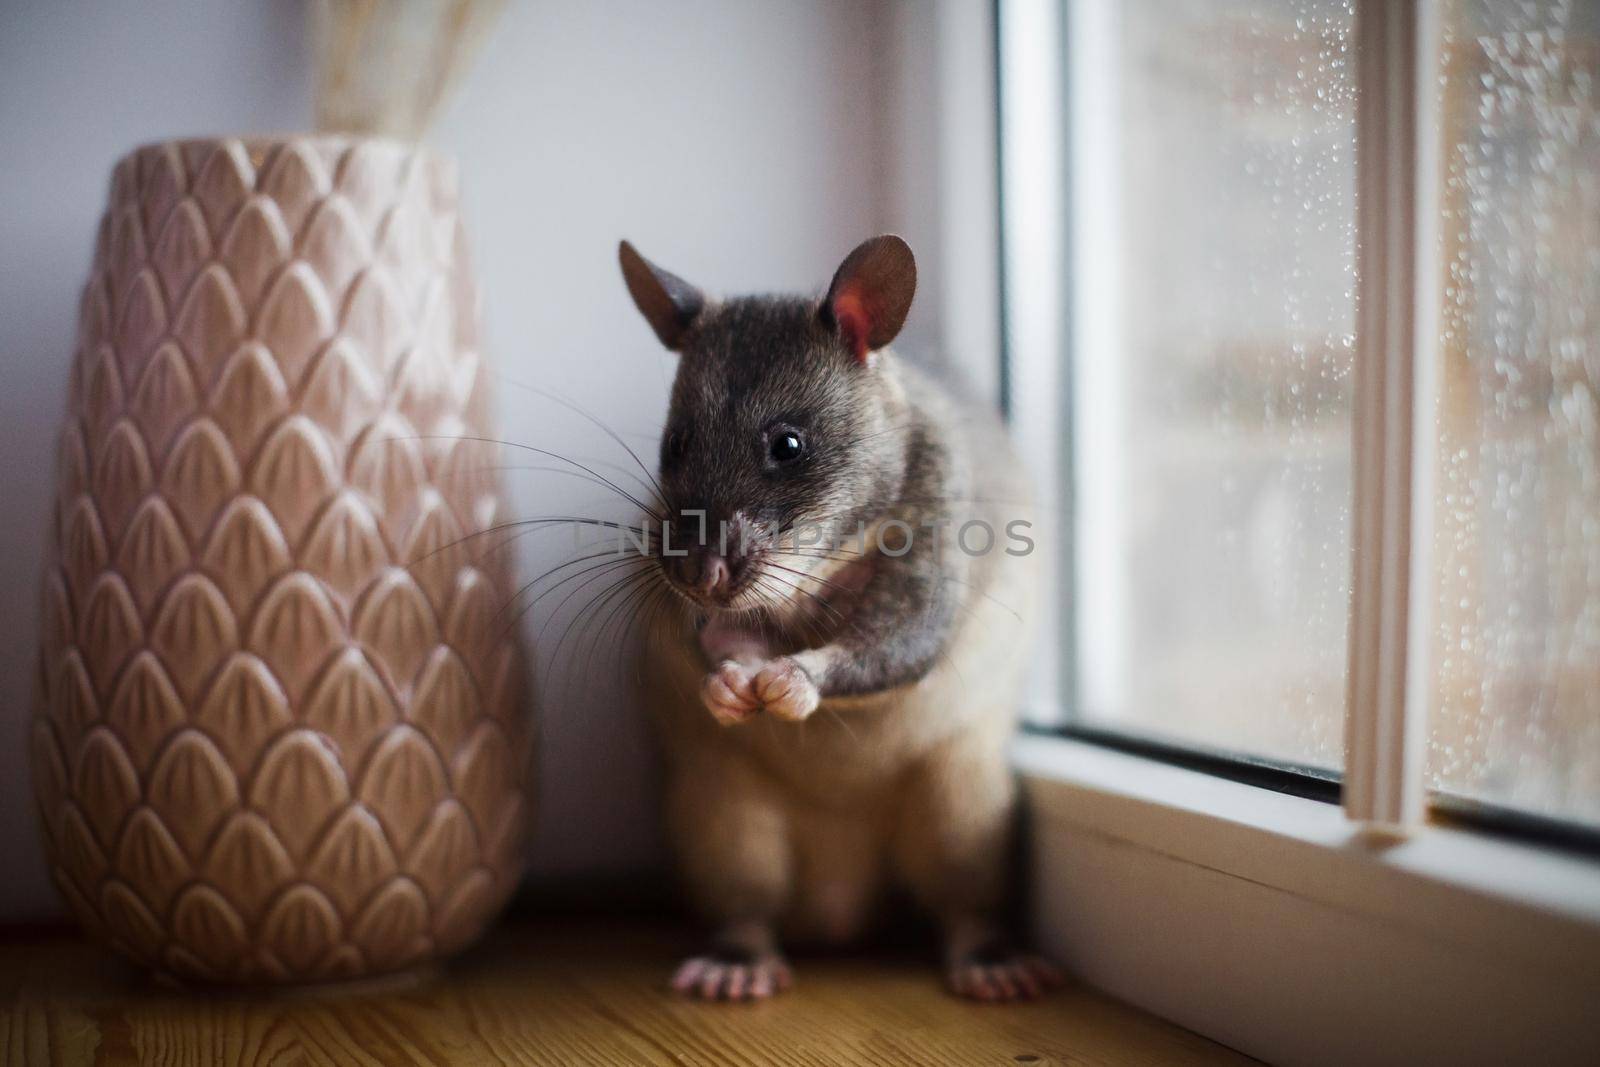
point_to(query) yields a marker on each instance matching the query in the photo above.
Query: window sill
(1271, 923)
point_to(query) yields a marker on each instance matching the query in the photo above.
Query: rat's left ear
(669, 304)
(871, 294)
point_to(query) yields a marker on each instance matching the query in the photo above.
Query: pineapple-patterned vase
(279, 733)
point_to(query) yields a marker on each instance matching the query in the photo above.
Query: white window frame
(1292, 929)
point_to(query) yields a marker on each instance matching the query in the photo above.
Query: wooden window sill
(541, 992)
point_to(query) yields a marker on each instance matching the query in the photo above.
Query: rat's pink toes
(717, 978)
(727, 694)
(1013, 978)
(687, 976)
(786, 690)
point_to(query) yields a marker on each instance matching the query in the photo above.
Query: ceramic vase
(280, 733)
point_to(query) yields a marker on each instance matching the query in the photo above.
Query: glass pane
(1213, 341)
(1516, 715)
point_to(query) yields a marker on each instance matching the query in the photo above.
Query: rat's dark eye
(674, 445)
(785, 446)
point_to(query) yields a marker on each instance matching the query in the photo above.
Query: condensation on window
(1516, 627)
(1213, 466)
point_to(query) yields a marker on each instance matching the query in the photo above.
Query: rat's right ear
(871, 294)
(668, 303)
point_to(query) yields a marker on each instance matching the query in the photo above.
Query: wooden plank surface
(561, 994)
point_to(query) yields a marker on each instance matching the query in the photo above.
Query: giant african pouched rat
(850, 544)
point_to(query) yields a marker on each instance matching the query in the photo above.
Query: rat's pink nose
(714, 575)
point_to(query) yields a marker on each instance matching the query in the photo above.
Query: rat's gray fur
(887, 684)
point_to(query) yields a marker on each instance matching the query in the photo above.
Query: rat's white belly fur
(809, 820)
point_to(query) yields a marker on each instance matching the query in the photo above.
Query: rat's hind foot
(996, 972)
(732, 974)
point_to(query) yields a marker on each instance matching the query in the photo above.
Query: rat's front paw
(734, 691)
(786, 690)
(728, 693)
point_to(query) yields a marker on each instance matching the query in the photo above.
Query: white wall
(744, 144)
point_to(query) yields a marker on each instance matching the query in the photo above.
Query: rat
(834, 700)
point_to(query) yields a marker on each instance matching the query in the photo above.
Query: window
(1212, 407)
(1515, 645)
(1302, 312)
(1210, 484)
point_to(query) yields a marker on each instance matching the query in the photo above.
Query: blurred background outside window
(1213, 453)
(1212, 436)
(1516, 638)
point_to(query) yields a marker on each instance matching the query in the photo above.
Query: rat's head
(784, 415)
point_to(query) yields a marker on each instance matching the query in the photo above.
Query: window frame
(1464, 922)
(1275, 925)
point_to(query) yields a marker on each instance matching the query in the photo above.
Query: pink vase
(280, 733)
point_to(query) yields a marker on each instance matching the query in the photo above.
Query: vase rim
(261, 143)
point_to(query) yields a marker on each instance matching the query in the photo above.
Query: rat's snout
(715, 576)
(707, 573)
(710, 568)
